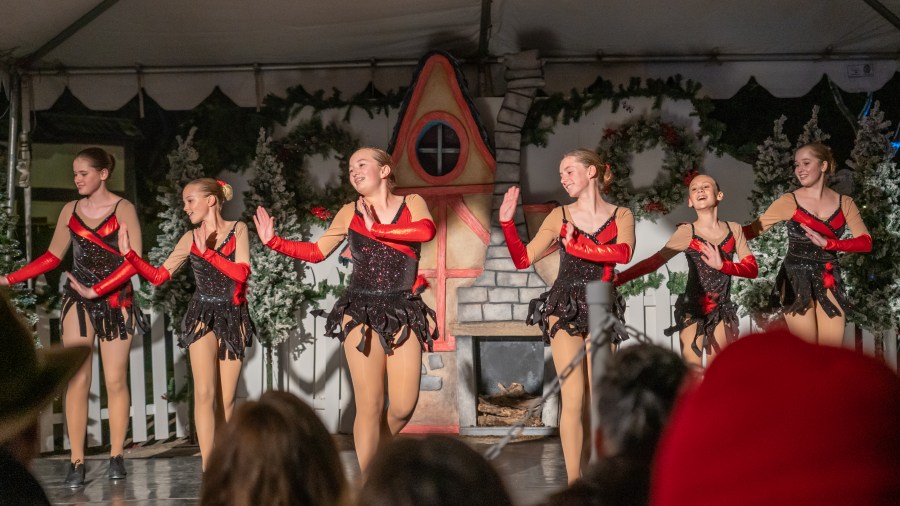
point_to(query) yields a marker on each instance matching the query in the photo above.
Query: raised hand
(124, 241)
(508, 207)
(366, 212)
(265, 225)
(87, 293)
(200, 237)
(4, 281)
(710, 255)
(569, 235)
(815, 237)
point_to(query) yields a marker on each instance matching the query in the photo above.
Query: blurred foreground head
(777, 420)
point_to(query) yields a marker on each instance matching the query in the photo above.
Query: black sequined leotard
(566, 299)
(219, 305)
(806, 267)
(380, 294)
(809, 271)
(707, 297)
(95, 257)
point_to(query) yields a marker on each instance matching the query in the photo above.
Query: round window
(438, 148)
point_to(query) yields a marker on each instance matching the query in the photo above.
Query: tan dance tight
(575, 397)
(115, 373)
(815, 325)
(367, 372)
(687, 337)
(215, 384)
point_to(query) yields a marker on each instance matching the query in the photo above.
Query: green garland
(683, 156)
(546, 113)
(370, 100)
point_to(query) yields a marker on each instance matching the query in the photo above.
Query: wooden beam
(64, 35)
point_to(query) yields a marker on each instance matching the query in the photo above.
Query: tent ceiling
(221, 32)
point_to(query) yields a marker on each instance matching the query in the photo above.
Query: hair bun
(227, 191)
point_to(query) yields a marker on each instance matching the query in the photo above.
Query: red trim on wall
(417, 129)
(461, 210)
(430, 429)
(446, 191)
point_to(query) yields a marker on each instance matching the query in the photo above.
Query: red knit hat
(778, 420)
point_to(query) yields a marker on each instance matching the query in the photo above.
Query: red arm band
(517, 250)
(645, 266)
(861, 244)
(306, 251)
(115, 280)
(746, 268)
(155, 275)
(417, 231)
(38, 266)
(616, 253)
(749, 232)
(234, 270)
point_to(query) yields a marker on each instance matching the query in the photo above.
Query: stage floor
(169, 473)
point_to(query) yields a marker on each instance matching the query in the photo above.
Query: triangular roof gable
(439, 65)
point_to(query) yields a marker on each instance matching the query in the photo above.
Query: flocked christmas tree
(172, 297)
(873, 279)
(773, 176)
(275, 285)
(11, 258)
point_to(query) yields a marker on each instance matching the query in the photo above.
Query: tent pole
(15, 80)
(889, 16)
(67, 32)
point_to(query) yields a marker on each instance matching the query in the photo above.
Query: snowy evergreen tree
(172, 297)
(873, 279)
(772, 176)
(276, 290)
(11, 258)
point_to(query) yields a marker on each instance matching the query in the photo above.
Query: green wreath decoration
(683, 157)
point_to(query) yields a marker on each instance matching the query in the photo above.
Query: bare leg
(803, 325)
(687, 336)
(721, 340)
(564, 347)
(367, 369)
(79, 386)
(404, 372)
(831, 330)
(204, 365)
(115, 372)
(229, 374)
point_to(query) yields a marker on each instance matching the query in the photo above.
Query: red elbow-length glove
(861, 244)
(155, 275)
(417, 231)
(645, 266)
(516, 248)
(234, 270)
(119, 276)
(616, 253)
(44, 263)
(306, 251)
(746, 268)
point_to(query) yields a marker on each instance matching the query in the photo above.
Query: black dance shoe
(117, 468)
(75, 476)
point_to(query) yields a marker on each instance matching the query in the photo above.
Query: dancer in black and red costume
(808, 287)
(704, 312)
(91, 225)
(216, 326)
(562, 312)
(381, 316)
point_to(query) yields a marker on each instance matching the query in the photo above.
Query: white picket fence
(313, 372)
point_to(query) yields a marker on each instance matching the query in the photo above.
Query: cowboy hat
(29, 378)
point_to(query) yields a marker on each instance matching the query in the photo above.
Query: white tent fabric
(787, 46)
